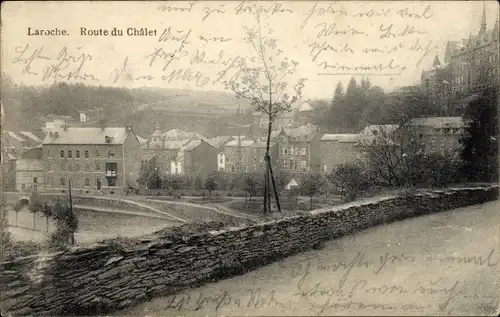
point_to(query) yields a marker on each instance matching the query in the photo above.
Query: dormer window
(111, 154)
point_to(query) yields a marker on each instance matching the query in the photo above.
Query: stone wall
(114, 276)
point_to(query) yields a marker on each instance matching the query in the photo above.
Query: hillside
(200, 101)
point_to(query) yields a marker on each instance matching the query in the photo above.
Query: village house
(439, 135)
(235, 156)
(179, 152)
(30, 173)
(298, 148)
(100, 159)
(257, 153)
(218, 143)
(338, 149)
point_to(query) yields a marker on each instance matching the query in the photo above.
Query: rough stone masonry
(113, 276)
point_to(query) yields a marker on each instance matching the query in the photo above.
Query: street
(440, 264)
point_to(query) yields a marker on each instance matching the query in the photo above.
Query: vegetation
(311, 186)
(66, 226)
(210, 184)
(263, 81)
(362, 104)
(480, 138)
(35, 206)
(393, 154)
(5, 237)
(250, 186)
(348, 178)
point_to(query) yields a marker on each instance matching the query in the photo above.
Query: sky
(199, 45)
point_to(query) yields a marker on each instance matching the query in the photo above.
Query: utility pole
(71, 210)
(239, 141)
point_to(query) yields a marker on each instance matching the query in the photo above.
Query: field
(92, 226)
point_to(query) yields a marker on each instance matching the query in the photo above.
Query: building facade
(338, 149)
(93, 159)
(298, 148)
(30, 172)
(257, 154)
(179, 152)
(235, 156)
(474, 62)
(439, 135)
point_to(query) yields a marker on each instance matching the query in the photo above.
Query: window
(23, 186)
(70, 167)
(77, 154)
(49, 167)
(98, 167)
(86, 154)
(70, 154)
(111, 154)
(112, 182)
(221, 161)
(87, 167)
(63, 181)
(324, 168)
(35, 180)
(97, 154)
(87, 182)
(48, 153)
(77, 167)
(111, 169)
(62, 153)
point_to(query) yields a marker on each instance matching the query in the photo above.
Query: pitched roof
(243, 143)
(455, 122)
(31, 136)
(178, 134)
(191, 145)
(173, 145)
(141, 140)
(387, 128)
(305, 132)
(341, 138)
(88, 135)
(15, 136)
(219, 141)
(262, 144)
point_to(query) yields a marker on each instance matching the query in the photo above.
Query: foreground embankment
(114, 276)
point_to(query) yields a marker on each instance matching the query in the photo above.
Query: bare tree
(393, 152)
(263, 80)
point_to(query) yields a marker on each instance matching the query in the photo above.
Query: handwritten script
(371, 284)
(339, 39)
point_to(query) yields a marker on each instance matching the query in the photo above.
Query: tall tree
(352, 105)
(35, 206)
(263, 80)
(338, 95)
(480, 137)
